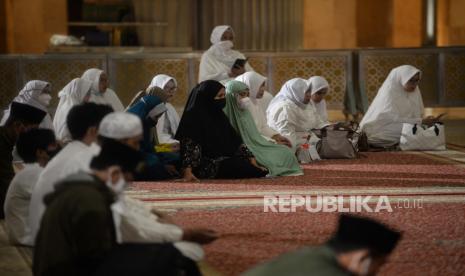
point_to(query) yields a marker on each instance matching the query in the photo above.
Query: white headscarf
(120, 125)
(392, 101)
(161, 80)
(72, 94)
(28, 95)
(108, 97)
(218, 32)
(318, 83)
(93, 75)
(293, 90)
(222, 50)
(254, 81)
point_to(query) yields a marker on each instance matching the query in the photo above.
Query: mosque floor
(426, 191)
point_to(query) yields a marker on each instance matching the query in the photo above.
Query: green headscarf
(278, 159)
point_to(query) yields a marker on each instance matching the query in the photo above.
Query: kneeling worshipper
(75, 92)
(398, 101)
(220, 62)
(210, 147)
(287, 112)
(160, 165)
(139, 223)
(360, 246)
(78, 232)
(83, 121)
(35, 93)
(319, 88)
(257, 109)
(22, 117)
(100, 92)
(278, 159)
(35, 147)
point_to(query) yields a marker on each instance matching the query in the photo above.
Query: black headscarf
(205, 123)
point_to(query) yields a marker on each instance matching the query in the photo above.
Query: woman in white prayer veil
(256, 84)
(398, 101)
(37, 94)
(287, 112)
(168, 123)
(219, 61)
(100, 92)
(74, 93)
(319, 89)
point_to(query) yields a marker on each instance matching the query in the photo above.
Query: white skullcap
(120, 125)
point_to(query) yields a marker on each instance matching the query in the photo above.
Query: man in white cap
(137, 222)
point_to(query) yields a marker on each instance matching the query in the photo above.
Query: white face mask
(243, 103)
(225, 45)
(45, 99)
(362, 267)
(117, 187)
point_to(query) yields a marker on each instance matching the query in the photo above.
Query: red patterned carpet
(434, 235)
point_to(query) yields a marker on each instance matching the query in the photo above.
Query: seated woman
(159, 165)
(35, 93)
(100, 93)
(398, 101)
(278, 159)
(219, 61)
(253, 103)
(74, 93)
(319, 88)
(168, 123)
(287, 112)
(210, 147)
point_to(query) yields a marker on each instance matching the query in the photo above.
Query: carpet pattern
(433, 242)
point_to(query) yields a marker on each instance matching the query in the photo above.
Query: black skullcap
(365, 232)
(26, 113)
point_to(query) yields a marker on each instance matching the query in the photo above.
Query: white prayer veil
(318, 83)
(161, 80)
(253, 80)
(72, 94)
(293, 90)
(120, 125)
(226, 55)
(392, 101)
(93, 75)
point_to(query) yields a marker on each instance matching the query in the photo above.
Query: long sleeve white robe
(74, 157)
(17, 203)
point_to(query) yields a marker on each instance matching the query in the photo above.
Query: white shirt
(137, 223)
(17, 203)
(74, 157)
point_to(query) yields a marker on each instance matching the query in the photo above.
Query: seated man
(360, 246)
(22, 117)
(139, 223)
(35, 147)
(77, 234)
(82, 121)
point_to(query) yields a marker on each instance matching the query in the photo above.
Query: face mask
(243, 103)
(225, 45)
(117, 187)
(45, 98)
(220, 103)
